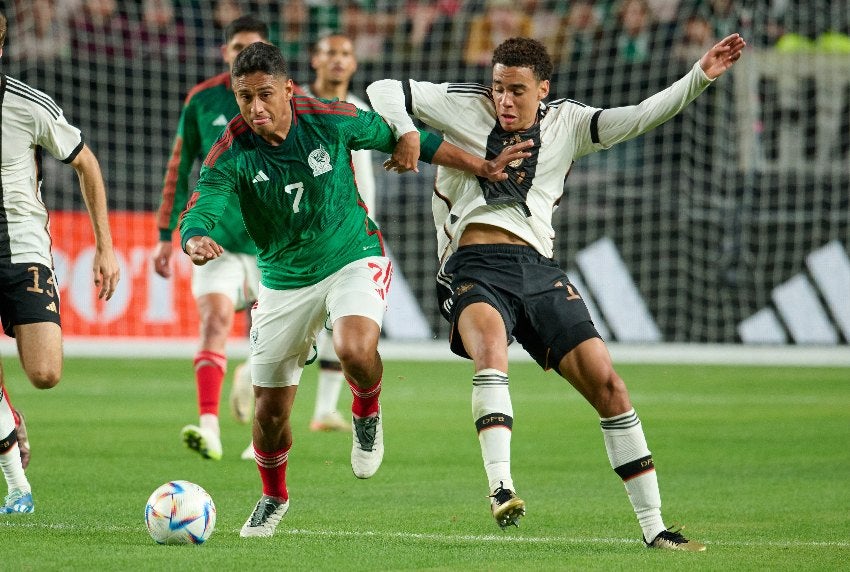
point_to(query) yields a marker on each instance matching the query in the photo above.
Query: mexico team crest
(320, 161)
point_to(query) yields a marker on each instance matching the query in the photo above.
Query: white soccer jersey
(361, 159)
(466, 115)
(30, 122)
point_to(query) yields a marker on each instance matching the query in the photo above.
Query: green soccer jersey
(299, 199)
(208, 108)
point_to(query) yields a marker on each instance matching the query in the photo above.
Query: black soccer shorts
(28, 295)
(539, 305)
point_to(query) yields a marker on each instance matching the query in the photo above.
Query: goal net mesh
(714, 215)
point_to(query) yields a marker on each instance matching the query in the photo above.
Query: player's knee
(611, 394)
(356, 354)
(45, 378)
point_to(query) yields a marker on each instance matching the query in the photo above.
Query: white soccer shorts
(285, 322)
(233, 274)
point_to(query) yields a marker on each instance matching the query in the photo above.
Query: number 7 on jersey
(299, 190)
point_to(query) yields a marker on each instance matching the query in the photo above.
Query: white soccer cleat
(367, 451)
(242, 393)
(263, 521)
(248, 453)
(203, 441)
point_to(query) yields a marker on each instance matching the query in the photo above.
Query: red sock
(210, 368)
(365, 400)
(272, 467)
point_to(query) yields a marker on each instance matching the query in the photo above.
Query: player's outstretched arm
(722, 55)
(449, 155)
(105, 266)
(202, 249)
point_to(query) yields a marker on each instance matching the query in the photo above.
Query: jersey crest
(320, 161)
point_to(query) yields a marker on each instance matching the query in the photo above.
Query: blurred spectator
(99, 30)
(696, 39)
(634, 31)
(290, 31)
(727, 18)
(369, 25)
(502, 19)
(427, 25)
(578, 35)
(545, 20)
(41, 33)
(161, 36)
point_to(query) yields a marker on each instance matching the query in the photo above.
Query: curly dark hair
(525, 53)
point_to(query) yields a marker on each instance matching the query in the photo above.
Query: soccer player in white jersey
(29, 294)
(496, 245)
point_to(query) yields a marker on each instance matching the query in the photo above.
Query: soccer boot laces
(367, 450)
(672, 539)
(507, 508)
(265, 518)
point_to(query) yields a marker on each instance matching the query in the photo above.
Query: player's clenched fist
(202, 249)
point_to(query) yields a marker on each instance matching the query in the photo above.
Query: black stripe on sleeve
(594, 127)
(23, 90)
(408, 97)
(74, 153)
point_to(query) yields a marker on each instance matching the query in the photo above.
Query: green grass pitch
(755, 461)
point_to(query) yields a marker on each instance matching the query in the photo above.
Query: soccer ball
(180, 512)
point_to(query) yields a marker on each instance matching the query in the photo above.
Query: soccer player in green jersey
(228, 284)
(288, 159)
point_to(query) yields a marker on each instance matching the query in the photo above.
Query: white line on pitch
(16, 522)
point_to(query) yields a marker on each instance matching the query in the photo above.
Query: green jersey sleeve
(212, 194)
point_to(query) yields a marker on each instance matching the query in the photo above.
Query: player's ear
(543, 90)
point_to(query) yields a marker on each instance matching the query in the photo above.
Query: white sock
(10, 454)
(632, 461)
(331, 377)
(327, 392)
(210, 423)
(493, 415)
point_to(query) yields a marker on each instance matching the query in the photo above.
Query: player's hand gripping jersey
(298, 199)
(565, 131)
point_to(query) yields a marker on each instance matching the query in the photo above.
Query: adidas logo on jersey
(260, 177)
(220, 120)
(51, 307)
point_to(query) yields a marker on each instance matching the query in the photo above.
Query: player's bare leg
(272, 435)
(19, 497)
(483, 333)
(355, 340)
(40, 352)
(589, 369)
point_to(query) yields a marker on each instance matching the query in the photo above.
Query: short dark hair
(525, 53)
(260, 57)
(246, 24)
(2, 29)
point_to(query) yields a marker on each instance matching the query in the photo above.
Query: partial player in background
(288, 159)
(229, 283)
(29, 295)
(498, 275)
(333, 60)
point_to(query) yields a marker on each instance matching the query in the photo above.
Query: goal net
(730, 223)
